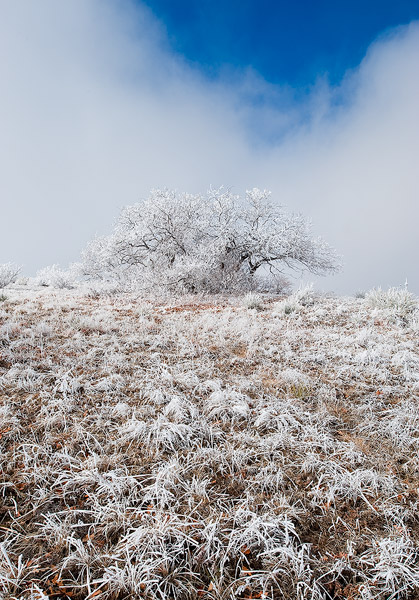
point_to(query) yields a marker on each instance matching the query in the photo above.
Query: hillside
(214, 448)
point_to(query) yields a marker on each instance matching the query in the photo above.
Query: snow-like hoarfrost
(219, 448)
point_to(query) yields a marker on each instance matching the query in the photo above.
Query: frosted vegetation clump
(56, 277)
(253, 301)
(398, 303)
(211, 243)
(293, 303)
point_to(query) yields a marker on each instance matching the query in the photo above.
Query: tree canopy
(216, 242)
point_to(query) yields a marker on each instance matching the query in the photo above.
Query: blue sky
(288, 42)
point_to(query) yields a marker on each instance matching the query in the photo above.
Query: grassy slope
(207, 449)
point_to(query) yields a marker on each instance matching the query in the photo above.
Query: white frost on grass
(202, 447)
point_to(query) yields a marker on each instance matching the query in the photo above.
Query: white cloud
(95, 111)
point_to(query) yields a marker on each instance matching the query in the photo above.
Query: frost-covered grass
(215, 448)
(397, 301)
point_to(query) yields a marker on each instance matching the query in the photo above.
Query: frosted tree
(213, 243)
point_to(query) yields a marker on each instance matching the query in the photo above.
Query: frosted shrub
(274, 283)
(252, 300)
(22, 281)
(8, 274)
(398, 301)
(97, 289)
(304, 296)
(55, 277)
(394, 298)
